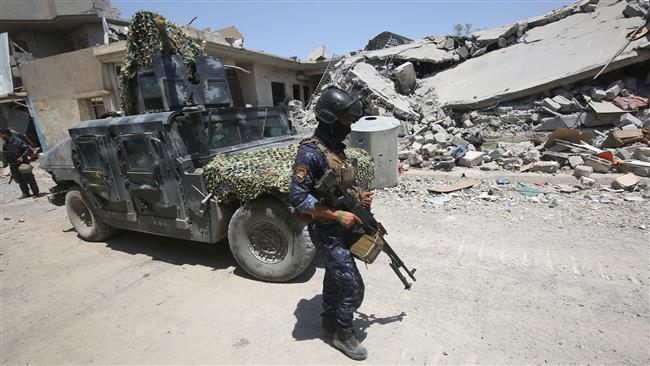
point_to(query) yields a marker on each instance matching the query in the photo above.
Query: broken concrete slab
(551, 104)
(459, 141)
(627, 119)
(575, 160)
(577, 47)
(633, 10)
(471, 159)
(405, 78)
(367, 75)
(599, 165)
(546, 166)
(626, 181)
(583, 171)
(598, 94)
(566, 105)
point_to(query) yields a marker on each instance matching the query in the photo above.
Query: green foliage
(248, 175)
(143, 41)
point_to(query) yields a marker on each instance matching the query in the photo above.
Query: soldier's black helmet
(335, 105)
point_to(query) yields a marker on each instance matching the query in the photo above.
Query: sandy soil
(497, 283)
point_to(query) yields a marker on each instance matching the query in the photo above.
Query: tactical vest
(345, 169)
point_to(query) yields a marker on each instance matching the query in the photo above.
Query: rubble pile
(519, 97)
(505, 197)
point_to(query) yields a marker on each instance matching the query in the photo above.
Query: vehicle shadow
(178, 251)
(308, 321)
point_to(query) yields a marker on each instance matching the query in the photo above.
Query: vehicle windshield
(243, 129)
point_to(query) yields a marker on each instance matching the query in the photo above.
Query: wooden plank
(467, 183)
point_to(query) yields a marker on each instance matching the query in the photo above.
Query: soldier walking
(331, 228)
(16, 153)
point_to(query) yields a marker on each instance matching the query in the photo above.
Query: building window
(278, 93)
(96, 107)
(296, 92)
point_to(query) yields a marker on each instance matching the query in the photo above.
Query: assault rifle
(373, 231)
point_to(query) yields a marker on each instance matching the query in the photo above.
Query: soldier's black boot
(329, 324)
(346, 341)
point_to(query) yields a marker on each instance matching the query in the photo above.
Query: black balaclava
(337, 130)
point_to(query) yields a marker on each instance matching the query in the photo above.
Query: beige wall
(59, 87)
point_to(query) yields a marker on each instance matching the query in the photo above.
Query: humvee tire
(267, 242)
(85, 221)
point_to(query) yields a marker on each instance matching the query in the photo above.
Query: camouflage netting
(143, 41)
(250, 174)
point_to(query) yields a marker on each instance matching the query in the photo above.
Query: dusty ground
(498, 283)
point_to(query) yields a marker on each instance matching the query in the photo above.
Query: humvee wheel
(267, 242)
(88, 225)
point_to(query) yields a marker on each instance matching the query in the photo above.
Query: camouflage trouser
(342, 285)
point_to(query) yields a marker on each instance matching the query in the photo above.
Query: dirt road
(524, 283)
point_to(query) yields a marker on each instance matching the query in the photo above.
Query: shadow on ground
(180, 252)
(308, 321)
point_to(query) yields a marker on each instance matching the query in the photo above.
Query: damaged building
(495, 97)
(65, 60)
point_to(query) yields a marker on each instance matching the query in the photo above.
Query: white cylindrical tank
(378, 136)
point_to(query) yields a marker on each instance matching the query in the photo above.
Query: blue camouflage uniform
(343, 286)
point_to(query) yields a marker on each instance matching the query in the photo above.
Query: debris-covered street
(170, 194)
(496, 283)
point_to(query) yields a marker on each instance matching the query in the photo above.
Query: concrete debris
(583, 171)
(626, 181)
(546, 166)
(627, 119)
(405, 78)
(471, 159)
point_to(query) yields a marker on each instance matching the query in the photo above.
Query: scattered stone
(416, 146)
(626, 181)
(598, 164)
(428, 137)
(598, 94)
(459, 141)
(587, 182)
(566, 105)
(467, 124)
(502, 42)
(628, 119)
(613, 91)
(642, 171)
(471, 159)
(633, 10)
(575, 160)
(429, 150)
(546, 166)
(551, 104)
(441, 137)
(405, 78)
(583, 171)
(491, 166)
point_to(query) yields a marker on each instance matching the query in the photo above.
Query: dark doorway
(235, 88)
(278, 92)
(296, 92)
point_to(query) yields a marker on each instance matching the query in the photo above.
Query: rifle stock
(329, 187)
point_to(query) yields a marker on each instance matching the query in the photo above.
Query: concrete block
(449, 44)
(428, 137)
(502, 42)
(588, 8)
(468, 124)
(641, 152)
(553, 123)
(479, 52)
(551, 104)
(588, 182)
(491, 166)
(459, 141)
(419, 139)
(612, 92)
(625, 93)
(430, 150)
(633, 10)
(583, 171)
(566, 105)
(642, 172)
(626, 181)
(598, 94)
(627, 119)
(463, 52)
(599, 165)
(471, 159)
(441, 137)
(575, 160)
(626, 153)
(416, 146)
(546, 166)
(405, 78)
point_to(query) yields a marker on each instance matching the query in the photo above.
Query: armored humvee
(144, 172)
